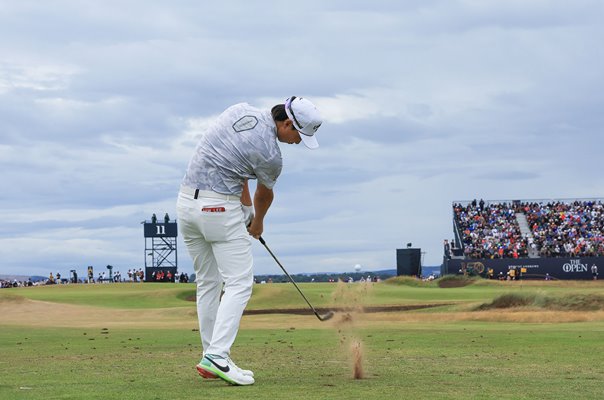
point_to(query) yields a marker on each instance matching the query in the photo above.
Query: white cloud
(41, 78)
(424, 103)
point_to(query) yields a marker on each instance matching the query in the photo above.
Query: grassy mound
(188, 295)
(569, 302)
(455, 281)
(409, 281)
(11, 298)
(512, 300)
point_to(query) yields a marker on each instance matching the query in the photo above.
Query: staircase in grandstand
(526, 231)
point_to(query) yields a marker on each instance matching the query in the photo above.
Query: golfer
(217, 219)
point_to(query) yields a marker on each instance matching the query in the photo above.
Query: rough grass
(455, 281)
(409, 281)
(539, 300)
(447, 281)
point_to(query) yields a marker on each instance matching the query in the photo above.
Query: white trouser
(221, 249)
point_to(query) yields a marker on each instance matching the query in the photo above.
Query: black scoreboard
(408, 262)
(159, 229)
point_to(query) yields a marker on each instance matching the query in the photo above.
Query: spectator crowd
(557, 229)
(6, 283)
(573, 229)
(168, 276)
(133, 275)
(489, 230)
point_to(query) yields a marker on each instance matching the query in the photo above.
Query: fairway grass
(80, 345)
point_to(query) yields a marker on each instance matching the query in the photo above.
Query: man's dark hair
(279, 113)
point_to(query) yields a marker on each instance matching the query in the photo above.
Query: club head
(326, 316)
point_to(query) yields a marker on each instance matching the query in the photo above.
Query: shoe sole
(218, 374)
(210, 375)
(206, 374)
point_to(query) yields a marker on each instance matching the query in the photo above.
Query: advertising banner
(529, 268)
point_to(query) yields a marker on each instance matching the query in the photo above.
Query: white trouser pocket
(214, 223)
(220, 221)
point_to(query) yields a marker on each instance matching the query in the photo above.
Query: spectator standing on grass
(217, 219)
(594, 272)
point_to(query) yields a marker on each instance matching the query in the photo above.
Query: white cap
(305, 118)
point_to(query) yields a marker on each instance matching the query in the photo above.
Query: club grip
(261, 240)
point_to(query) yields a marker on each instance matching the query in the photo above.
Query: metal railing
(465, 203)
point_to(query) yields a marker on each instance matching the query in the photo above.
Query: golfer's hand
(256, 228)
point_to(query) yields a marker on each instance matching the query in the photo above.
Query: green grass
(431, 359)
(460, 361)
(165, 295)
(122, 295)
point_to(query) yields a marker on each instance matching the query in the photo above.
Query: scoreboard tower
(160, 248)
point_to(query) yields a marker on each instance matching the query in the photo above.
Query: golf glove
(248, 214)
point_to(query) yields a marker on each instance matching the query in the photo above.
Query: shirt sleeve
(268, 171)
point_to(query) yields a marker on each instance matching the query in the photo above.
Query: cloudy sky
(425, 102)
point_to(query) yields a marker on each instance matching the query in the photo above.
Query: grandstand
(539, 239)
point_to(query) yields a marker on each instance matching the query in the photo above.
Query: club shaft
(289, 277)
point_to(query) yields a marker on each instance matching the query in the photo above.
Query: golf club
(325, 317)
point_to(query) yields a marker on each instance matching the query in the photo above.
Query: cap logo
(314, 128)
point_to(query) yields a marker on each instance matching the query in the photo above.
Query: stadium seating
(555, 228)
